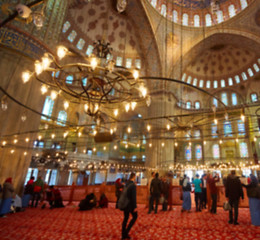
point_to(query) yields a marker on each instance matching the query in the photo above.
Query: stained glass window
(231, 10)
(89, 50)
(237, 78)
(188, 152)
(241, 127)
(47, 108)
(195, 81)
(227, 129)
(196, 21)
(215, 102)
(62, 118)
(208, 20)
(223, 83)
(243, 4)
(208, 84)
(183, 77)
(256, 67)
(189, 79)
(119, 61)
(175, 16)
(220, 16)
(230, 81)
(243, 150)
(72, 36)
(188, 105)
(250, 72)
(197, 133)
(128, 63)
(80, 44)
(224, 98)
(254, 97)
(66, 26)
(214, 130)
(185, 19)
(197, 105)
(201, 83)
(215, 84)
(69, 79)
(244, 76)
(198, 152)
(84, 81)
(154, 3)
(216, 152)
(163, 10)
(138, 63)
(234, 98)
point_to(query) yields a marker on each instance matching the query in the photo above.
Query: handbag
(226, 206)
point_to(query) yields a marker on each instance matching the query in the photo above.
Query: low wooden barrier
(76, 193)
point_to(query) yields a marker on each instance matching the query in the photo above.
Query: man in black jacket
(233, 193)
(131, 195)
(155, 191)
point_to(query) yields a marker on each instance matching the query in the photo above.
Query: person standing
(37, 190)
(186, 188)
(233, 193)
(155, 191)
(149, 186)
(213, 192)
(197, 185)
(8, 191)
(119, 188)
(204, 191)
(165, 192)
(131, 195)
(28, 192)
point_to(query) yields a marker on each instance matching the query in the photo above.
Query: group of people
(90, 202)
(233, 193)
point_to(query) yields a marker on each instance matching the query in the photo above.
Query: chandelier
(94, 81)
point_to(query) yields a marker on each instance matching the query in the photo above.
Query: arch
(175, 16)
(197, 105)
(188, 152)
(185, 19)
(188, 105)
(208, 20)
(196, 20)
(198, 152)
(231, 11)
(220, 17)
(164, 10)
(223, 83)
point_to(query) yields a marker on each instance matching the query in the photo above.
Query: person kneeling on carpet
(54, 197)
(88, 203)
(103, 202)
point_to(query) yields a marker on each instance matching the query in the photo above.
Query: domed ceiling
(193, 4)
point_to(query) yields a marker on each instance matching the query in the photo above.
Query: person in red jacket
(213, 191)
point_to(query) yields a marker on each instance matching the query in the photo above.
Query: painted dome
(201, 12)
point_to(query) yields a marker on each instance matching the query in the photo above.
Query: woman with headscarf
(8, 191)
(254, 199)
(119, 189)
(186, 188)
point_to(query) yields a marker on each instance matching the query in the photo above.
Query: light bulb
(176, 144)
(236, 140)
(163, 144)
(39, 137)
(53, 95)
(104, 148)
(79, 134)
(255, 139)
(150, 145)
(129, 130)
(38, 19)
(226, 116)
(136, 74)
(216, 121)
(138, 145)
(148, 128)
(4, 105)
(220, 142)
(115, 147)
(61, 52)
(205, 142)
(25, 153)
(26, 76)
(95, 132)
(96, 107)
(4, 143)
(94, 149)
(66, 105)
(111, 131)
(115, 112)
(127, 107)
(27, 140)
(15, 141)
(45, 61)
(86, 107)
(44, 89)
(12, 151)
(23, 117)
(133, 105)
(148, 101)
(168, 126)
(242, 117)
(93, 63)
(65, 134)
(143, 91)
(53, 136)
(38, 67)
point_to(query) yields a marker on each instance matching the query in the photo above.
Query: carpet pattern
(105, 224)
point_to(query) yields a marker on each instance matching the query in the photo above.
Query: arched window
(230, 81)
(89, 50)
(128, 63)
(198, 152)
(197, 133)
(62, 118)
(250, 72)
(66, 26)
(133, 158)
(143, 158)
(208, 84)
(175, 16)
(144, 140)
(119, 61)
(188, 105)
(227, 129)
(201, 83)
(154, 3)
(196, 20)
(215, 102)
(80, 44)
(231, 10)
(220, 16)
(215, 84)
(197, 105)
(224, 98)
(243, 4)
(163, 10)
(189, 79)
(256, 67)
(188, 152)
(138, 63)
(208, 20)
(183, 77)
(241, 127)
(185, 19)
(215, 150)
(72, 36)
(47, 107)
(237, 78)
(195, 81)
(214, 130)
(84, 81)
(223, 83)
(254, 97)
(244, 76)
(243, 150)
(69, 79)
(234, 98)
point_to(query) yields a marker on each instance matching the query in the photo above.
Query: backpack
(124, 200)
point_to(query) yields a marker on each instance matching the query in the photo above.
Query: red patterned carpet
(70, 224)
